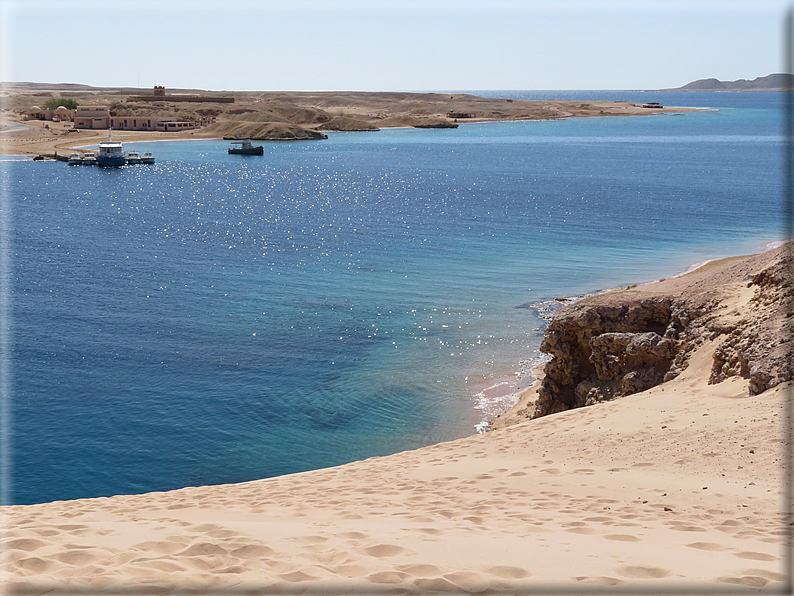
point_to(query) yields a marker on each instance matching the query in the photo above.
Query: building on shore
(96, 117)
(99, 118)
(91, 117)
(37, 113)
(158, 124)
(159, 94)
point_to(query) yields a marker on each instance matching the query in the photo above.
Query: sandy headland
(656, 454)
(277, 115)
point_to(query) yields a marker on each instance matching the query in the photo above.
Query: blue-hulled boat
(111, 154)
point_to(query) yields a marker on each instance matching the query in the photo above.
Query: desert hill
(772, 82)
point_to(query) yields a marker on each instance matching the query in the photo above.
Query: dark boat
(246, 148)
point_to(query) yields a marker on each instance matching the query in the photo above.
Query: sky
(398, 45)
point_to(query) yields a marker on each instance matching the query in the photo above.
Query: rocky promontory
(621, 342)
(264, 131)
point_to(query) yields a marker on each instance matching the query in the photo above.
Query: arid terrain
(275, 115)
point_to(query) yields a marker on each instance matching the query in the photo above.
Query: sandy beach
(31, 138)
(682, 487)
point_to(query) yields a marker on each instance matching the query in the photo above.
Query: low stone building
(37, 113)
(159, 94)
(97, 117)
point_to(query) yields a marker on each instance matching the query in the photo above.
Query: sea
(218, 318)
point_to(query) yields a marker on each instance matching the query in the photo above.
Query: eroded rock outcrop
(263, 131)
(622, 342)
(602, 351)
(347, 124)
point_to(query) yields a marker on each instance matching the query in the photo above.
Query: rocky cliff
(621, 342)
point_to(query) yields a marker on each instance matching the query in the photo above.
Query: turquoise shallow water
(217, 318)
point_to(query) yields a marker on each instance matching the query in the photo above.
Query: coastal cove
(214, 318)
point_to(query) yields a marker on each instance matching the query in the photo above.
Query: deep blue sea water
(217, 318)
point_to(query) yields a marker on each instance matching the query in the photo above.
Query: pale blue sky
(374, 45)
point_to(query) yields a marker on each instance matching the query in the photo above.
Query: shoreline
(21, 135)
(521, 397)
(677, 485)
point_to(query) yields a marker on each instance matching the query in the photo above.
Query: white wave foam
(502, 394)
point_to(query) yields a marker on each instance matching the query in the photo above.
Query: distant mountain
(773, 82)
(22, 87)
(47, 87)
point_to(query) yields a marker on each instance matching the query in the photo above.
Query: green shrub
(54, 102)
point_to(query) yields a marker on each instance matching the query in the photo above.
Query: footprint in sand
(310, 539)
(770, 575)
(756, 556)
(202, 549)
(582, 531)
(383, 550)
(419, 570)
(687, 528)
(352, 571)
(606, 581)
(508, 572)
(387, 577)
(26, 544)
(746, 580)
(253, 551)
(642, 572)
(165, 547)
(161, 565)
(36, 565)
(298, 576)
(354, 535)
(436, 584)
(204, 528)
(712, 546)
(432, 531)
(468, 580)
(221, 534)
(82, 557)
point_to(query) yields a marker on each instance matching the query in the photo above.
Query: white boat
(133, 157)
(147, 157)
(89, 159)
(111, 154)
(75, 159)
